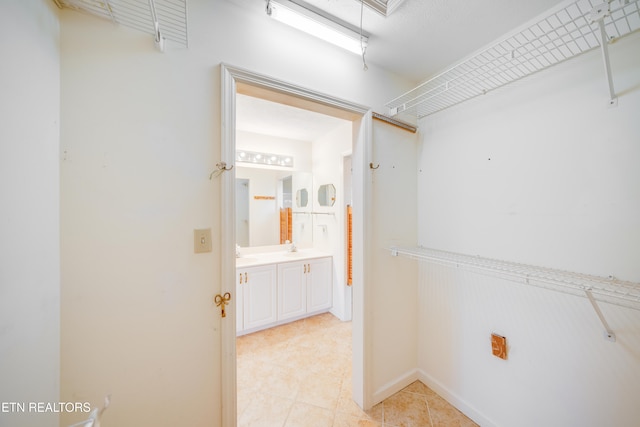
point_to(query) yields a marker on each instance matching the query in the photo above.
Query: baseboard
(455, 400)
(395, 386)
(340, 315)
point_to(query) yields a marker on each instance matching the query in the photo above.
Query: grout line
(312, 328)
(428, 410)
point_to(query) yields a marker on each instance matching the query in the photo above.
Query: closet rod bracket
(598, 13)
(609, 335)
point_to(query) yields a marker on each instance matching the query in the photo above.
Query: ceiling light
(317, 23)
(258, 158)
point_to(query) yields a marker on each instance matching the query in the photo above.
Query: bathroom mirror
(326, 195)
(302, 198)
(261, 195)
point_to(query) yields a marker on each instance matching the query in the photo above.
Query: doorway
(241, 81)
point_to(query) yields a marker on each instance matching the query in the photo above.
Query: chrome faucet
(293, 247)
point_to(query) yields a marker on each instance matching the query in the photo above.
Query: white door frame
(230, 77)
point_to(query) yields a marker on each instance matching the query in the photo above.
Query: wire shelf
(561, 34)
(609, 290)
(140, 15)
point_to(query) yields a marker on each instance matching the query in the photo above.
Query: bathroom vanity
(274, 288)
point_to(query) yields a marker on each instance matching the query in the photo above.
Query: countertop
(264, 258)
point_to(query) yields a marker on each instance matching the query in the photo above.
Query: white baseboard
(455, 400)
(394, 386)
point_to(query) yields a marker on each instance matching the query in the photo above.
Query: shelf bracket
(609, 335)
(598, 13)
(157, 37)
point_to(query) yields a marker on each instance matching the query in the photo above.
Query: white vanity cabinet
(272, 290)
(256, 303)
(292, 290)
(304, 287)
(319, 285)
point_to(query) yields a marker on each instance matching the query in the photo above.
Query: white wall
(392, 309)
(29, 218)
(264, 214)
(540, 172)
(142, 134)
(269, 234)
(329, 230)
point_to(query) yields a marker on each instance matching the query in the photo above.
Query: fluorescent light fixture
(269, 159)
(313, 21)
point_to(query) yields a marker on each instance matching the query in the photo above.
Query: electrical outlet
(202, 240)
(499, 346)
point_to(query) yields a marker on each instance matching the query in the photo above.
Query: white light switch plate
(202, 240)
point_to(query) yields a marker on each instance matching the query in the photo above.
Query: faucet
(293, 247)
(238, 255)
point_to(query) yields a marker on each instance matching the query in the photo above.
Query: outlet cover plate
(499, 346)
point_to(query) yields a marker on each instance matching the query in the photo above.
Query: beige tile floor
(299, 375)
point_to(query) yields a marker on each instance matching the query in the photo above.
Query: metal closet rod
(568, 30)
(594, 288)
(395, 122)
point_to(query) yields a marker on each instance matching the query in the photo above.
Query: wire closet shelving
(563, 33)
(163, 19)
(597, 289)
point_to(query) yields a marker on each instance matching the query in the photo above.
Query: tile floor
(299, 375)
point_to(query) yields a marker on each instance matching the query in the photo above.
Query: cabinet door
(292, 290)
(319, 284)
(239, 301)
(259, 296)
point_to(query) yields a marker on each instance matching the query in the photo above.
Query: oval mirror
(327, 195)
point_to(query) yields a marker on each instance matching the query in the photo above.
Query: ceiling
(416, 40)
(423, 37)
(419, 39)
(270, 118)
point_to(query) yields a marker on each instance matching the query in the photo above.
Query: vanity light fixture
(313, 21)
(269, 159)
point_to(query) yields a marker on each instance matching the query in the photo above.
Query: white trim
(227, 246)
(455, 400)
(362, 230)
(230, 77)
(395, 386)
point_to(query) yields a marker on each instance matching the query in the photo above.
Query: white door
(361, 118)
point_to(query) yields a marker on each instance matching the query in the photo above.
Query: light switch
(202, 240)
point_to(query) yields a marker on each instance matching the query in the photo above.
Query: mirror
(327, 195)
(302, 198)
(262, 195)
